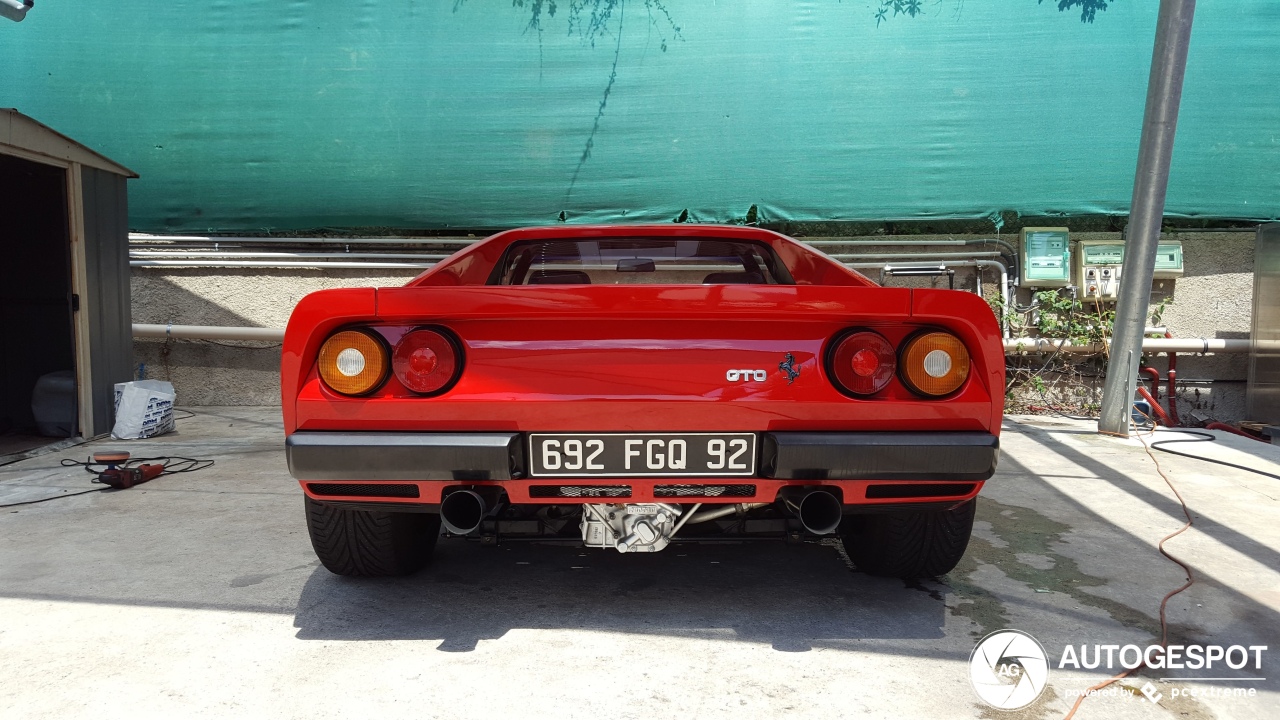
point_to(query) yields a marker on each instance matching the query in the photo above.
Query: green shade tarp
(251, 115)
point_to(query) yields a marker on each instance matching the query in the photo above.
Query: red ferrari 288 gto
(639, 385)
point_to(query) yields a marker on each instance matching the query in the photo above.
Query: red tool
(121, 477)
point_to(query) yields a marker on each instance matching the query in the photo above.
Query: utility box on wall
(1099, 264)
(1045, 257)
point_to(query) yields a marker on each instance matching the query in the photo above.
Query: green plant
(1157, 312)
(1062, 316)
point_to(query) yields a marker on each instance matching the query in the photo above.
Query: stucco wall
(205, 372)
(1213, 299)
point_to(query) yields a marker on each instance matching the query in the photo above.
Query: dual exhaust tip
(818, 511)
(461, 511)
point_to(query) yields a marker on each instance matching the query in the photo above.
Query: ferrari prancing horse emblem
(788, 366)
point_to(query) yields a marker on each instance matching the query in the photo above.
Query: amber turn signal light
(934, 364)
(353, 362)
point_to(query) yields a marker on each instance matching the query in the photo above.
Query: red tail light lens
(862, 363)
(427, 361)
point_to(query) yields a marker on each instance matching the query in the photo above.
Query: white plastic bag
(144, 408)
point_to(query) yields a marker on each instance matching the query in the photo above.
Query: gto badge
(788, 367)
(746, 375)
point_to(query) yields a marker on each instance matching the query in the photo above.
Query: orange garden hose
(1164, 627)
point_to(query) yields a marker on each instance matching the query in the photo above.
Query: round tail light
(427, 361)
(862, 363)
(353, 362)
(934, 364)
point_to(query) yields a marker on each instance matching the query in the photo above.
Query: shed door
(36, 336)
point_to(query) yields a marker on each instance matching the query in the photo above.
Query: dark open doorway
(36, 331)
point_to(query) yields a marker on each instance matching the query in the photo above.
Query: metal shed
(64, 285)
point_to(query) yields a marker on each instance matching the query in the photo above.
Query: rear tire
(368, 543)
(909, 545)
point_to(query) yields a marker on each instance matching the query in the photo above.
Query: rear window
(640, 261)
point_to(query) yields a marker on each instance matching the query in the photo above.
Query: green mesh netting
(257, 114)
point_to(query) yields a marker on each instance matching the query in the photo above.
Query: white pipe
(1155, 345)
(207, 332)
(223, 254)
(916, 256)
(143, 238)
(275, 264)
(836, 242)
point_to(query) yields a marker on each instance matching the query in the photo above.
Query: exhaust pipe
(461, 511)
(818, 511)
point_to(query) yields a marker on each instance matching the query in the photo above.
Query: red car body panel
(641, 358)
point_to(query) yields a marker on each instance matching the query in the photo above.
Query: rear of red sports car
(635, 386)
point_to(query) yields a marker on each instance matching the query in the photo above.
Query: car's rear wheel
(909, 544)
(371, 542)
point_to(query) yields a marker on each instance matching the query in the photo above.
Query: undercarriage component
(719, 512)
(641, 527)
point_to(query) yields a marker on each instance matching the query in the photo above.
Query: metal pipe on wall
(978, 264)
(277, 264)
(207, 332)
(1198, 346)
(164, 240)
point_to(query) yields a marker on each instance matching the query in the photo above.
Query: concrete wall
(1214, 299)
(205, 372)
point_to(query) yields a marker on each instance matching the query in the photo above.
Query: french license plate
(642, 454)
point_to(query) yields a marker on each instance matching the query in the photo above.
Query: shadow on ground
(793, 597)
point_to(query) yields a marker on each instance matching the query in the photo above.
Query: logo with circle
(1008, 669)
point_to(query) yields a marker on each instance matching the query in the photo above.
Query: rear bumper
(498, 458)
(403, 456)
(880, 456)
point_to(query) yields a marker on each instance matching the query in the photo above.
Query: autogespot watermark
(1009, 669)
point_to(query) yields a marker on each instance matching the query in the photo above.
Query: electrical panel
(1168, 260)
(1099, 263)
(1045, 257)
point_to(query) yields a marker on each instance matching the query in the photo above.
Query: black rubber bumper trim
(880, 456)
(402, 456)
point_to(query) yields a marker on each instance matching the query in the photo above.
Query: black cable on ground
(55, 497)
(1201, 437)
(172, 466)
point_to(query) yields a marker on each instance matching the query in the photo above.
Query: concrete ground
(198, 595)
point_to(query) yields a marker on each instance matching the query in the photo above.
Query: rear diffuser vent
(919, 490)
(579, 491)
(703, 491)
(363, 490)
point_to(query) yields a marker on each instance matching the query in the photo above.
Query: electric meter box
(1099, 263)
(1097, 268)
(1168, 260)
(1045, 257)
